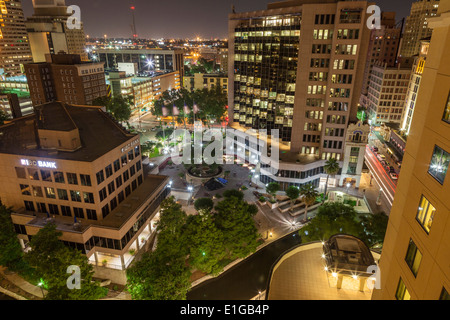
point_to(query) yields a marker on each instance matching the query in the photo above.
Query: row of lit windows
(55, 176)
(66, 211)
(50, 193)
(113, 185)
(114, 202)
(118, 164)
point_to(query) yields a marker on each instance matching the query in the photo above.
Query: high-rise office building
(15, 49)
(49, 32)
(415, 260)
(383, 46)
(414, 86)
(387, 92)
(77, 167)
(147, 60)
(64, 77)
(416, 26)
(298, 67)
(143, 90)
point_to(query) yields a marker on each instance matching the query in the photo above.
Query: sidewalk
(22, 283)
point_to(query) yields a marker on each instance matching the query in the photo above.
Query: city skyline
(204, 15)
(300, 150)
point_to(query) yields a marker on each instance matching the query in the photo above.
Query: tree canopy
(204, 242)
(272, 189)
(3, 117)
(10, 249)
(233, 193)
(335, 218)
(293, 193)
(201, 66)
(332, 218)
(210, 102)
(118, 105)
(163, 273)
(51, 258)
(375, 226)
(204, 205)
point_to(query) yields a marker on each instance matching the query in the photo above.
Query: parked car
(381, 157)
(392, 169)
(375, 149)
(394, 176)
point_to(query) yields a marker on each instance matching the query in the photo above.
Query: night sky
(175, 18)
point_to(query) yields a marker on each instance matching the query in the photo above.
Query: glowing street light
(40, 284)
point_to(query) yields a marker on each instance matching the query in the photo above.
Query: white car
(394, 176)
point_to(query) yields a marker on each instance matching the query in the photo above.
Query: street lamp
(40, 284)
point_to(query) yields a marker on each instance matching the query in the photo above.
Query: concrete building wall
(427, 131)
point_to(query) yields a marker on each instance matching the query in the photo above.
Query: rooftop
(300, 275)
(347, 254)
(286, 155)
(99, 133)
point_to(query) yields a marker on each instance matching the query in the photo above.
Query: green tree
(235, 218)
(362, 114)
(163, 274)
(293, 193)
(205, 244)
(171, 239)
(204, 205)
(119, 106)
(375, 226)
(309, 196)
(10, 250)
(233, 193)
(272, 189)
(211, 103)
(331, 168)
(3, 117)
(163, 135)
(332, 218)
(158, 276)
(51, 258)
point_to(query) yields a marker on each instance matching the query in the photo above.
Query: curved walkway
(246, 279)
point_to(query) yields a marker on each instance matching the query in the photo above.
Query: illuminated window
(425, 214)
(402, 293)
(25, 190)
(75, 196)
(446, 117)
(439, 164)
(50, 193)
(413, 258)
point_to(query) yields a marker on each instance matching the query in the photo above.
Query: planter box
(262, 203)
(272, 205)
